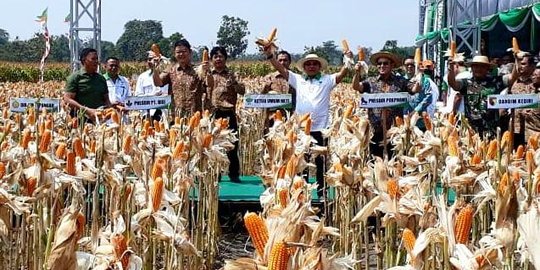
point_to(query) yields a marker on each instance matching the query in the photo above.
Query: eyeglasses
(409, 64)
(384, 63)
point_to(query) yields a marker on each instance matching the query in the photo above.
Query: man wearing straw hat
(385, 82)
(475, 91)
(312, 96)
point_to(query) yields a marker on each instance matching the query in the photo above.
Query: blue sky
(300, 23)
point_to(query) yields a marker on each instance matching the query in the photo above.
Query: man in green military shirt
(86, 89)
(476, 90)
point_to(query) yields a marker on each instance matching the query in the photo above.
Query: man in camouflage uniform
(475, 91)
(385, 82)
(224, 96)
(186, 88)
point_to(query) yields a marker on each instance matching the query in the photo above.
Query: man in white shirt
(145, 86)
(313, 97)
(117, 85)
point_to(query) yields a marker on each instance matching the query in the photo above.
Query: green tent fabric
(515, 19)
(488, 23)
(536, 11)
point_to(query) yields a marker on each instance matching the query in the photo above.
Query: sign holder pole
(385, 150)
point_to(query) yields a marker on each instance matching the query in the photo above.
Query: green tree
(59, 49)
(232, 35)
(108, 49)
(402, 52)
(166, 44)
(4, 37)
(137, 38)
(328, 50)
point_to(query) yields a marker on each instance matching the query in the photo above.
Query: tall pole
(85, 18)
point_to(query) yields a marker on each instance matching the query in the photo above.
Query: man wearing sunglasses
(385, 82)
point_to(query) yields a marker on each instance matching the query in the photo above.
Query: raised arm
(278, 66)
(456, 85)
(344, 70)
(357, 78)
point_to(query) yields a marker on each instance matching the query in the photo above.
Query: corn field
(119, 195)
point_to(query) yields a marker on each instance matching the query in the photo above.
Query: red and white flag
(42, 19)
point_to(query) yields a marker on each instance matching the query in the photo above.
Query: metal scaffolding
(468, 33)
(85, 17)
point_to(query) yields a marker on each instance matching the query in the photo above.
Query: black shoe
(235, 179)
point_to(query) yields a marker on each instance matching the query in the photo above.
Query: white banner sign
(384, 100)
(268, 101)
(513, 101)
(147, 102)
(22, 104)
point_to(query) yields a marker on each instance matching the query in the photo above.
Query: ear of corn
(2, 169)
(453, 148)
(307, 129)
(533, 142)
(178, 150)
(31, 183)
(272, 35)
(503, 184)
(453, 49)
(408, 239)
(194, 121)
(70, 163)
(257, 231)
(399, 121)
(345, 46)
(78, 147)
(361, 54)
(529, 157)
(393, 188)
(92, 146)
(279, 257)
(157, 170)
(26, 138)
(45, 141)
(492, 149)
(156, 194)
(476, 159)
(283, 196)
(81, 221)
(463, 224)
(519, 152)
(155, 49)
(126, 146)
(49, 124)
(515, 45)
(417, 56)
(119, 243)
(207, 140)
(278, 116)
(205, 56)
(60, 151)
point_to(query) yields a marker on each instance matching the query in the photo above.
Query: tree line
(139, 35)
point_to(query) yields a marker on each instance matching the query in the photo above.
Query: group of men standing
(217, 89)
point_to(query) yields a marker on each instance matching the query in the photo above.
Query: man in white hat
(475, 91)
(385, 82)
(312, 96)
(145, 86)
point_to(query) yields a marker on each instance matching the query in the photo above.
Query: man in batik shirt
(385, 82)
(527, 121)
(186, 88)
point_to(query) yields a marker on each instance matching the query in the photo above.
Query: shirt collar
(316, 77)
(178, 67)
(223, 71)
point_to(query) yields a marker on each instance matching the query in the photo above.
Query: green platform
(248, 190)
